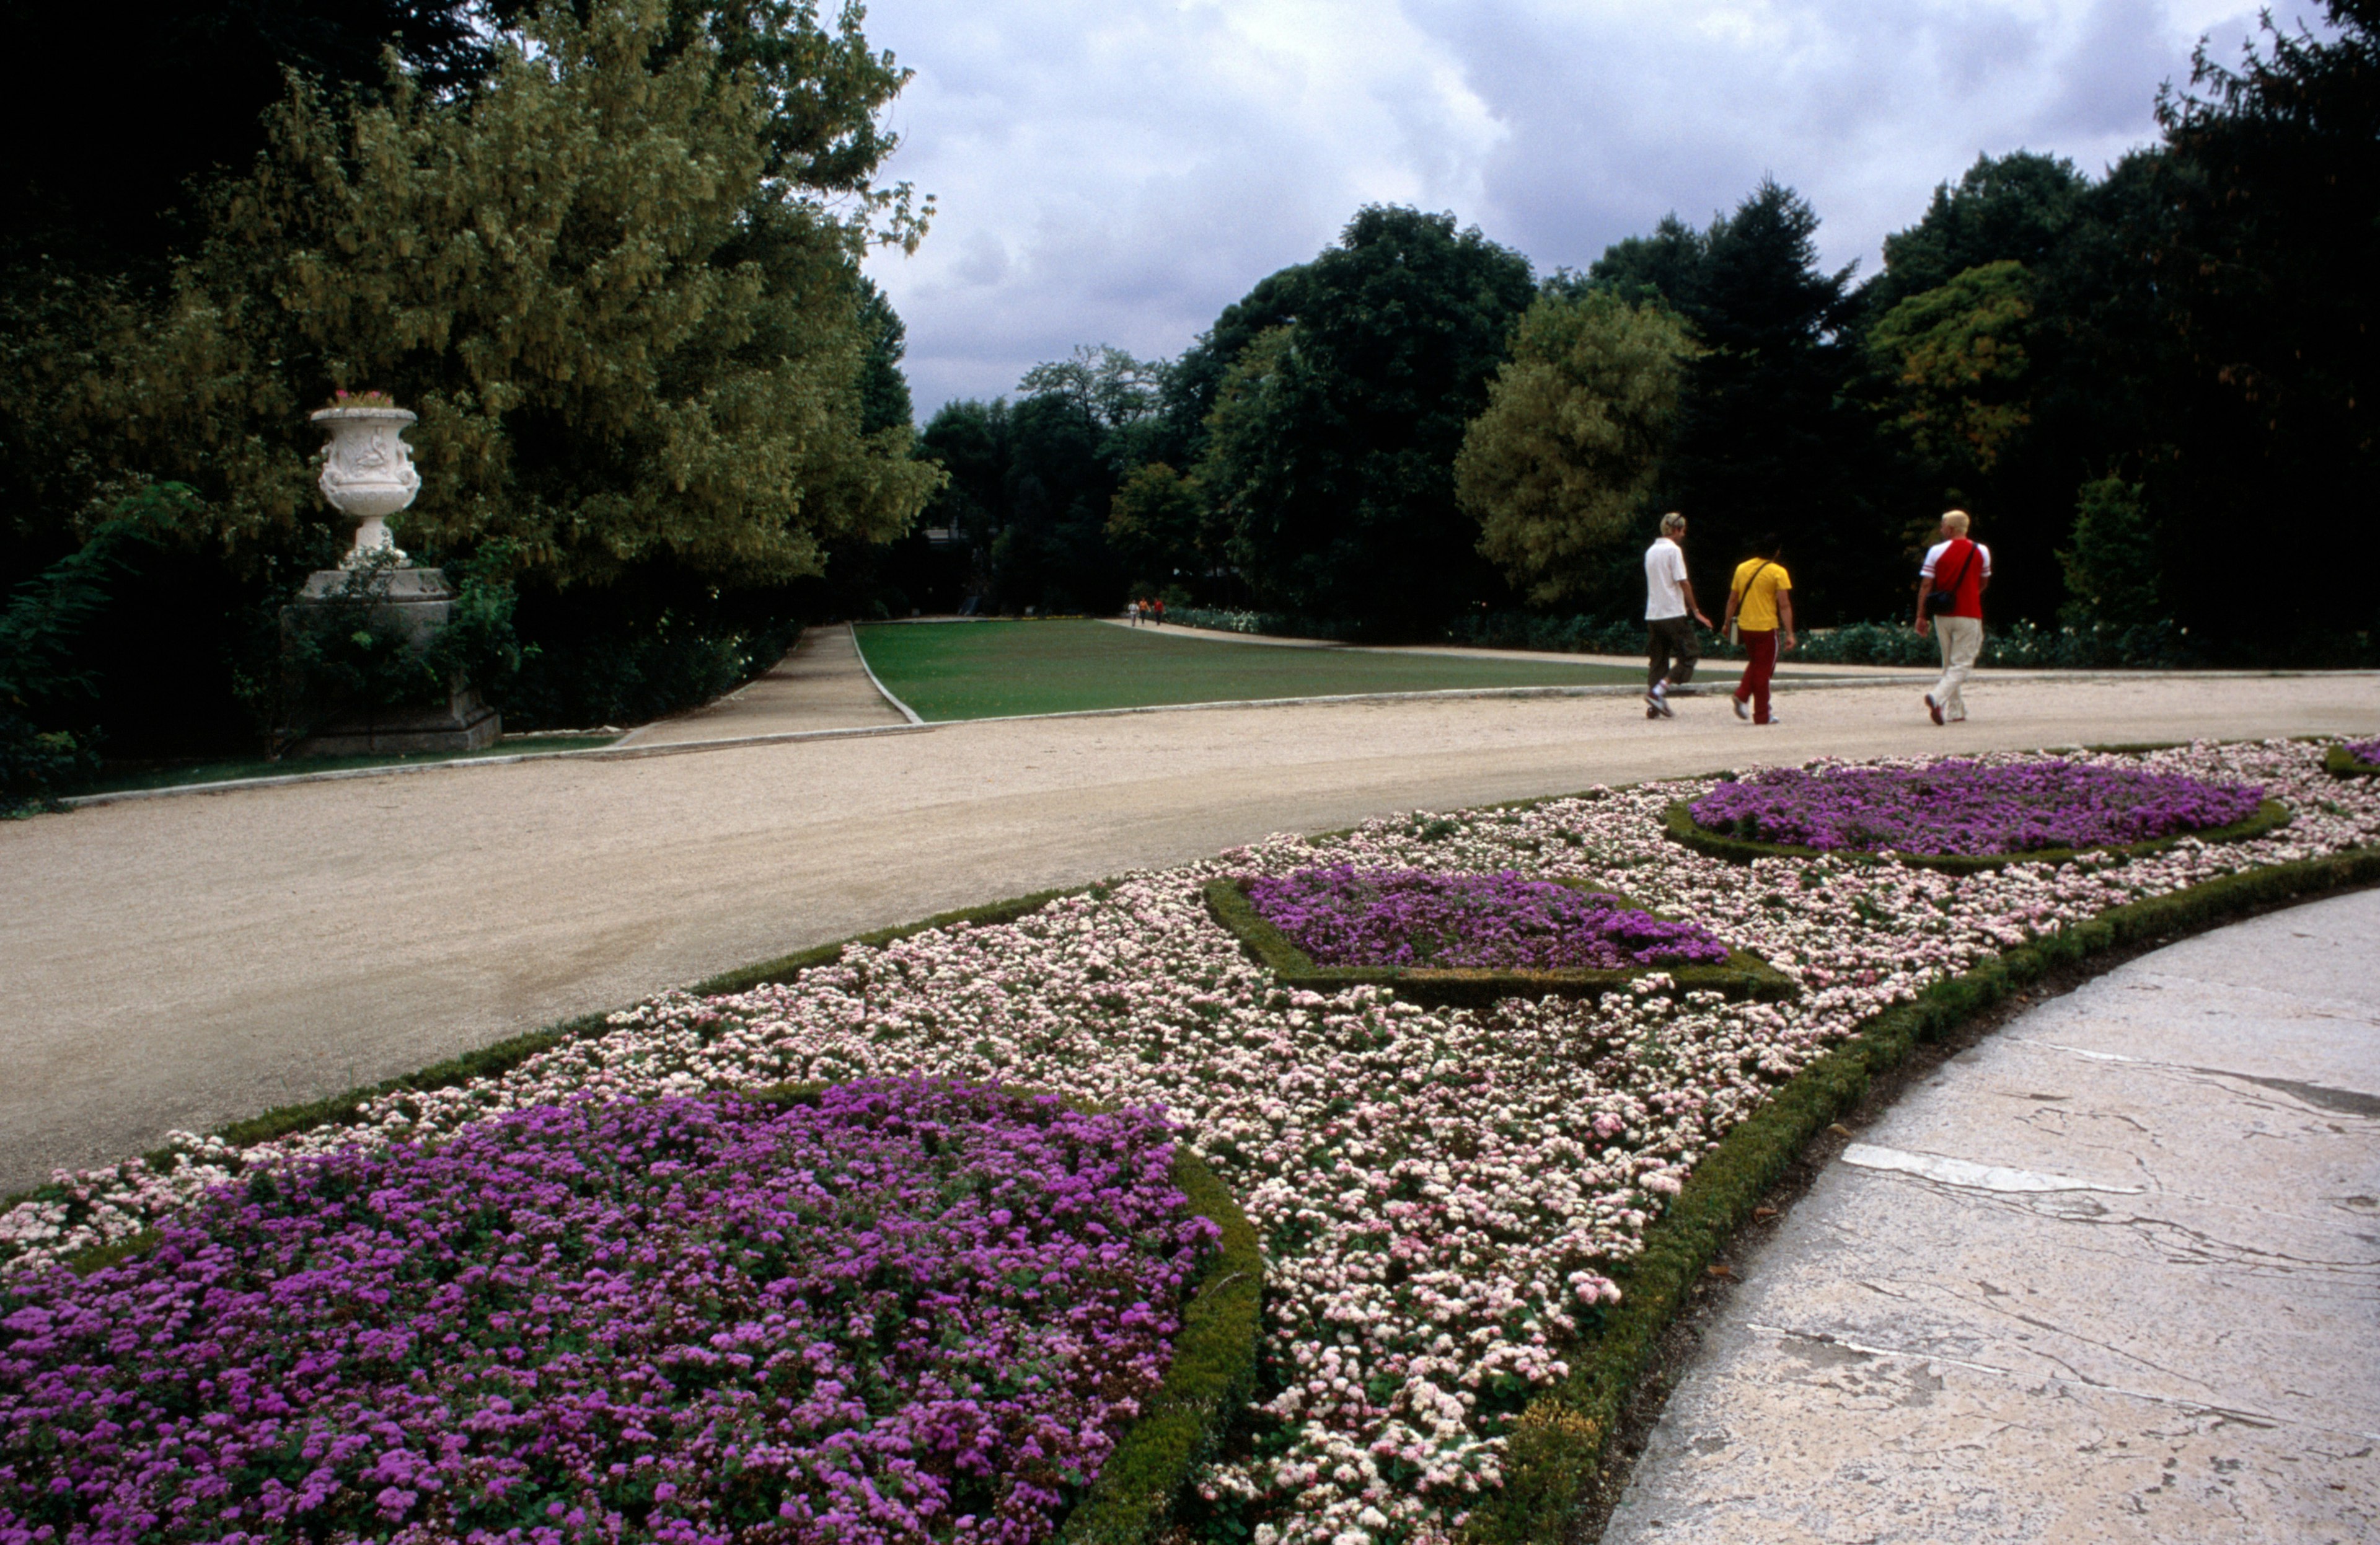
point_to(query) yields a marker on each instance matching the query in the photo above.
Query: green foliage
(2341, 762)
(44, 679)
(1770, 434)
(629, 336)
(1560, 1440)
(1332, 438)
(2018, 208)
(1565, 452)
(2112, 571)
(1157, 523)
(1956, 354)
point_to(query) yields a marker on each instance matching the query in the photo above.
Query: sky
(1118, 171)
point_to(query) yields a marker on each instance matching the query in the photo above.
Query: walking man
(1759, 602)
(1950, 597)
(1668, 603)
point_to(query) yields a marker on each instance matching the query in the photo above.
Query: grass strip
(1557, 1446)
(1685, 830)
(1745, 975)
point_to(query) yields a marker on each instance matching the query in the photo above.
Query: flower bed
(901, 1309)
(1971, 809)
(1451, 1202)
(1343, 916)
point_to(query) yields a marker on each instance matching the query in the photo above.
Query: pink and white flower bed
(1443, 1195)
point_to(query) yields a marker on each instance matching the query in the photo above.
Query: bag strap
(1745, 594)
(1959, 583)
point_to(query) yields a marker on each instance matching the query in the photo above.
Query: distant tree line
(2148, 387)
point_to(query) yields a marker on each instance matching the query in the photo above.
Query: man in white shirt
(1668, 602)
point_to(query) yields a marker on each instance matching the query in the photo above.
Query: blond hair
(1955, 522)
(1672, 523)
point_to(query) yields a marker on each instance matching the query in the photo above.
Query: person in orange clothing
(1760, 604)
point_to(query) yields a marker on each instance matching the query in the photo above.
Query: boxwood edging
(1558, 1443)
(1683, 829)
(1745, 975)
(2341, 762)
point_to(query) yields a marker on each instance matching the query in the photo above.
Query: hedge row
(1683, 829)
(1745, 975)
(1558, 1444)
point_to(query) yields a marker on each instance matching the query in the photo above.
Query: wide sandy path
(183, 962)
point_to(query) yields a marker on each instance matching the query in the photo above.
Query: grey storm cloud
(1118, 172)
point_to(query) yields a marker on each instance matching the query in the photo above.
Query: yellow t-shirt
(1755, 610)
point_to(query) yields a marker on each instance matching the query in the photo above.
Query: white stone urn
(368, 472)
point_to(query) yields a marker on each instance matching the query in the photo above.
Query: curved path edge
(2109, 1274)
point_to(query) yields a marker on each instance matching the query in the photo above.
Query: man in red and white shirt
(1961, 569)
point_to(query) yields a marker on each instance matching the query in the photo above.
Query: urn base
(462, 723)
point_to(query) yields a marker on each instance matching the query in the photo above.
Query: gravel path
(183, 962)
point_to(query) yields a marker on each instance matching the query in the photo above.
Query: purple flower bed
(915, 1310)
(1343, 916)
(1970, 808)
(2366, 752)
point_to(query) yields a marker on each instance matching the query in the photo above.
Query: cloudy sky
(1118, 171)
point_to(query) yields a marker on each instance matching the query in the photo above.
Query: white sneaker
(1742, 710)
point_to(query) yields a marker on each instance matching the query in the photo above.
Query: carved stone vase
(367, 473)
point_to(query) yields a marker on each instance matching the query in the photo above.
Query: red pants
(1761, 648)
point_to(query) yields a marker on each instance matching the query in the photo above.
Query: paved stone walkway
(2112, 1276)
(183, 962)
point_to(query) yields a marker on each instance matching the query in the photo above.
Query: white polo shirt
(1665, 580)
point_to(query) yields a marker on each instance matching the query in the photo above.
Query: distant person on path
(1759, 602)
(1950, 599)
(1670, 617)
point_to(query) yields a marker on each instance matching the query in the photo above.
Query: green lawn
(176, 775)
(988, 670)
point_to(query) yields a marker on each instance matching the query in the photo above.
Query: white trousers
(1963, 639)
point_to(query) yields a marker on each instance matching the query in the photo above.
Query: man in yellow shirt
(1760, 603)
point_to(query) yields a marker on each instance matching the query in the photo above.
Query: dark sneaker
(1652, 712)
(1933, 708)
(1741, 710)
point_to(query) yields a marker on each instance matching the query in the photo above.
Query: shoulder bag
(1741, 596)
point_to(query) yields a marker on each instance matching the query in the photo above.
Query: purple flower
(1343, 916)
(912, 1310)
(1970, 808)
(2364, 751)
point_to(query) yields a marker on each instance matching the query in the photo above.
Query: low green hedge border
(1745, 975)
(2341, 762)
(1558, 1443)
(1685, 830)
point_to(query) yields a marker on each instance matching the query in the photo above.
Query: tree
(1957, 354)
(2112, 574)
(1158, 526)
(1332, 438)
(2261, 240)
(632, 338)
(1770, 436)
(1565, 452)
(2015, 208)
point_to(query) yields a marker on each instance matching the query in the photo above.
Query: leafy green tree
(1770, 435)
(1557, 465)
(2015, 208)
(631, 336)
(1957, 354)
(2113, 576)
(2262, 239)
(1158, 526)
(1331, 441)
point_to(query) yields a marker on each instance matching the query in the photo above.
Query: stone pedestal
(418, 601)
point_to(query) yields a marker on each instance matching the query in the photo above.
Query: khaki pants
(1963, 639)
